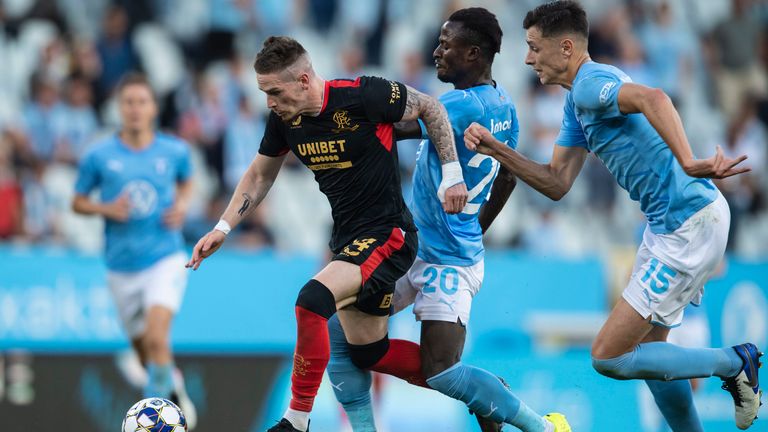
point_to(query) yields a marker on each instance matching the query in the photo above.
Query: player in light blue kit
(448, 271)
(144, 183)
(638, 135)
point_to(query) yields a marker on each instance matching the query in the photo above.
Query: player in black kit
(343, 131)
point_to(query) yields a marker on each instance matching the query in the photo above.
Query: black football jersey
(351, 150)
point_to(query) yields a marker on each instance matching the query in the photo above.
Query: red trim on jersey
(392, 245)
(325, 95)
(385, 133)
(344, 83)
(337, 84)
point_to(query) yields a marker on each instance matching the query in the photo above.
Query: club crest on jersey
(295, 124)
(343, 122)
(161, 166)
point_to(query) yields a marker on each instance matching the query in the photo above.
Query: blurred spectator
(210, 114)
(746, 135)
(79, 123)
(604, 35)
(41, 115)
(273, 17)
(115, 50)
(241, 144)
(668, 51)
(54, 60)
(227, 18)
(734, 58)
(632, 61)
(11, 211)
(322, 14)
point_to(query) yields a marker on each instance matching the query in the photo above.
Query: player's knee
(317, 298)
(616, 368)
(338, 339)
(154, 343)
(365, 356)
(431, 366)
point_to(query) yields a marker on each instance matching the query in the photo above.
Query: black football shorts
(384, 256)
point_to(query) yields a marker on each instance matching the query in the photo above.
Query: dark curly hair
(481, 28)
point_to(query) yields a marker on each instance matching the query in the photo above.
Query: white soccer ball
(154, 415)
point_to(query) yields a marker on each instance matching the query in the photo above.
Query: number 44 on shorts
(658, 275)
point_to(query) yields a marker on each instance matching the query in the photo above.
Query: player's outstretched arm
(661, 113)
(452, 190)
(500, 191)
(553, 179)
(251, 189)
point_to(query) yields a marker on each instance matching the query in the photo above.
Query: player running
(448, 270)
(144, 182)
(343, 131)
(637, 133)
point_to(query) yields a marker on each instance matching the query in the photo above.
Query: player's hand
(174, 216)
(205, 247)
(455, 198)
(118, 210)
(479, 139)
(716, 167)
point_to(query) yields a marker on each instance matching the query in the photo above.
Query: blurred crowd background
(60, 61)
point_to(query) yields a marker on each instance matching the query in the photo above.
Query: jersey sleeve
(184, 163)
(571, 134)
(599, 94)
(423, 127)
(514, 131)
(88, 177)
(274, 143)
(383, 100)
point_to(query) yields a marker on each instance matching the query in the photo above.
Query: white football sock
(299, 419)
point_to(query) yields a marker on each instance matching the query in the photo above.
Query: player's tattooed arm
(252, 188)
(421, 106)
(452, 191)
(247, 200)
(407, 130)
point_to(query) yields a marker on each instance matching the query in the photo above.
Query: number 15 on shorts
(658, 276)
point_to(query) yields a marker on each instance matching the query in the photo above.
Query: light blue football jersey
(457, 239)
(148, 177)
(631, 149)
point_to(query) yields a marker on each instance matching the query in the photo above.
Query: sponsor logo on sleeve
(605, 91)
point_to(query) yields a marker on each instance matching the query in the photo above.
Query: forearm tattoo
(247, 201)
(435, 119)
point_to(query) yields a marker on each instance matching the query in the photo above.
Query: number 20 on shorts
(448, 280)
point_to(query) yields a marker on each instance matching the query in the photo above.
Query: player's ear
(304, 81)
(473, 53)
(566, 47)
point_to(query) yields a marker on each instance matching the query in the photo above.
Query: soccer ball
(154, 415)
